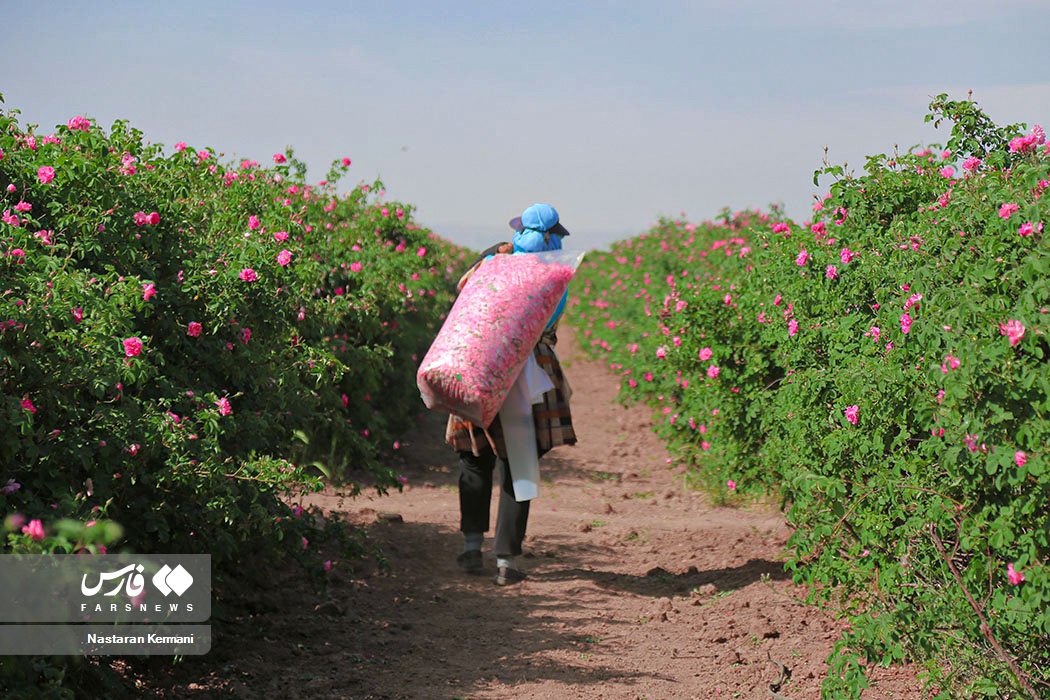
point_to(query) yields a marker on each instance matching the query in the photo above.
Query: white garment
(519, 429)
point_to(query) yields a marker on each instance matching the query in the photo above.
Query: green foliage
(973, 132)
(187, 346)
(873, 376)
(183, 342)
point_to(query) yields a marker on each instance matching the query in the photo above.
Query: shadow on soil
(662, 583)
(421, 628)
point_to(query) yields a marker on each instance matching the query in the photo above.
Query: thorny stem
(985, 627)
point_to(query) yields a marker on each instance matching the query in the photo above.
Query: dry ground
(636, 589)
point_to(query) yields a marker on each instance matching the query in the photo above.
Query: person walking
(482, 449)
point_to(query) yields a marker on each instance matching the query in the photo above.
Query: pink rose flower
(224, 406)
(802, 258)
(950, 362)
(45, 174)
(193, 329)
(912, 301)
(284, 257)
(79, 123)
(35, 529)
(1013, 330)
(1007, 210)
(132, 346)
(248, 275)
(1028, 228)
(852, 414)
(1015, 577)
(141, 218)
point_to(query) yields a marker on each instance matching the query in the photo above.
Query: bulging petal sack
(490, 332)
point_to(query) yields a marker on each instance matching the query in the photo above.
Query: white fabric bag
(519, 429)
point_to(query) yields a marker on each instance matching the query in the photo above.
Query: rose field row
(880, 371)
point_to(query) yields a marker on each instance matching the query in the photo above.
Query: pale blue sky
(616, 112)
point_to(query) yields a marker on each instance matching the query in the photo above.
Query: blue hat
(537, 230)
(539, 217)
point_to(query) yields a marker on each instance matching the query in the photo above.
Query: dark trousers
(475, 498)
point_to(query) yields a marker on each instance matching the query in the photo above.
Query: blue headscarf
(532, 241)
(537, 229)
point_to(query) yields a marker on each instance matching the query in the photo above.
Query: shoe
(506, 576)
(470, 561)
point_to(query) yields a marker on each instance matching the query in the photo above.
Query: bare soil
(637, 589)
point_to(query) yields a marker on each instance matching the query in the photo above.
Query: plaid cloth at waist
(552, 415)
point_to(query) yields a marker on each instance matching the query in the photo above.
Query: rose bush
(186, 345)
(881, 369)
(179, 331)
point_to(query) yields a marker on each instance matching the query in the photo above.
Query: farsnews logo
(166, 580)
(169, 580)
(130, 581)
(130, 577)
(117, 587)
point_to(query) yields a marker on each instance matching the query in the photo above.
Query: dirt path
(637, 589)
